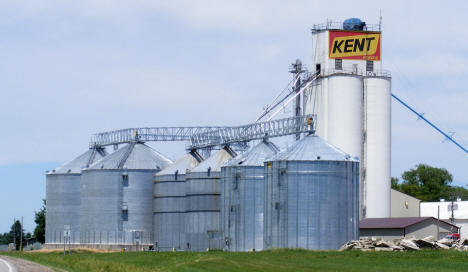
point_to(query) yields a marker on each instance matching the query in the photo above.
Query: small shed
(397, 227)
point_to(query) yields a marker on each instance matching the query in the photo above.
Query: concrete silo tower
(352, 100)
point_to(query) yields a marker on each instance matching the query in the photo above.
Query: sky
(69, 69)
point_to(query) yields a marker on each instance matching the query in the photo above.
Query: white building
(352, 101)
(460, 213)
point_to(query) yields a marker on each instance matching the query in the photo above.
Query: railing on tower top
(339, 26)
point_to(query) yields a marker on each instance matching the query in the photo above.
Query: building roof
(255, 156)
(393, 222)
(406, 195)
(133, 156)
(187, 162)
(214, 162)
(83, 161)
(312, 148)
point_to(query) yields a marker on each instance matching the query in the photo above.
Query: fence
(134, 237)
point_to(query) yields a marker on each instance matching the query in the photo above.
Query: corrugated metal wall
(63, 197)
(117, 197)
(311, 204)
(63, 207)
(169, 212)
(242, 201)
(202, 228)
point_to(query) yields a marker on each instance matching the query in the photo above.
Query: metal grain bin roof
(187, 162)
(312, 148)
(255, 156)
(215, 161)
(133, 156)
(83, 161)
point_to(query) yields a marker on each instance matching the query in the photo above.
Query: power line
(421, 116)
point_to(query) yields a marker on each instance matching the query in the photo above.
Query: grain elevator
(352, 101)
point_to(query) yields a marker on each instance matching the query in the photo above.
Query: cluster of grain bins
(303, 197)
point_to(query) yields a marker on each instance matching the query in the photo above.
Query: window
(233, 208)
(234, 185)
(318, 68)
(277, 206)
(369, 66)
(124, 211)
(338, 64)
(125, 180)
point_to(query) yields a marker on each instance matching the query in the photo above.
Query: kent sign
(354, 45)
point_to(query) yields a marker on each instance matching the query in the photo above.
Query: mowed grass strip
(274, 260)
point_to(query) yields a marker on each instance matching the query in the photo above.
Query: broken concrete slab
(382, 243)
(427, 242)
(383, 249)
(445, 241)
(441, 246)
(409, 244)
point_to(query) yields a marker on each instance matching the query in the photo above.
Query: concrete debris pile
(404, 244)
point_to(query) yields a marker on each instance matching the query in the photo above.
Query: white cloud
(72, 68)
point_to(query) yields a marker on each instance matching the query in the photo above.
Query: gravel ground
(26, 266)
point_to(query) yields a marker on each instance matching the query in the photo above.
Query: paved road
(5, 266)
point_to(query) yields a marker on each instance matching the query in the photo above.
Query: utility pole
(438, 222)
(14, 233)
(21, 238)
(452, 219)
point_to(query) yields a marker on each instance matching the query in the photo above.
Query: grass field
(277, 260)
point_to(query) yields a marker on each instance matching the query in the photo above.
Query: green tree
(15, 234)
(427, 183)
(458, 191)
(395, 184)
(39, 219)
(5, 238)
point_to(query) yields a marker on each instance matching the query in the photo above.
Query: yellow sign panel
(354, 45)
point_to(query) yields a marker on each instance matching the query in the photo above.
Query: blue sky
(73, 68)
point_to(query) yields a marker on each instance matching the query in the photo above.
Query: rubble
(409, 244)
(404, 244)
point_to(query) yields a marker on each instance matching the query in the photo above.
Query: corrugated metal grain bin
(63, 197)
(117, 197)
(242, 198)
(202, 228)
(169, 203)
(312, 197)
